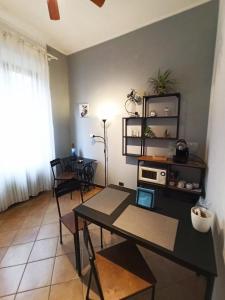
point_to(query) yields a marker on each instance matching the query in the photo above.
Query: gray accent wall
(58, 73)
(104, 74)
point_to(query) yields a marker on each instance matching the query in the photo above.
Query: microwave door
(149, 175)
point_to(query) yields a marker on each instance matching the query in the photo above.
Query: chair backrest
(88, 174)
(67, 187)
(91, 253)
(56, 163)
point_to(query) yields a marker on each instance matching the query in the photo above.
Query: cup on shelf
(172, 183)
(181, 184)
(189, 186)
(201, 218)
(195, 185)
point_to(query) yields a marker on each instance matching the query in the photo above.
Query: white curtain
(26, 127)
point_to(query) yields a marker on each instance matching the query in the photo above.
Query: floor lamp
(105, 150)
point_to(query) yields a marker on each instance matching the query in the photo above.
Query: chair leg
(153, 293)
(71, 195)
(101, 237)
(53, 189)
(89, 285)
(60, 232)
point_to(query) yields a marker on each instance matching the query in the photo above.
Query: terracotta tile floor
(35, 266)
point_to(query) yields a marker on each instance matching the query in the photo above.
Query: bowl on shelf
(201, 218)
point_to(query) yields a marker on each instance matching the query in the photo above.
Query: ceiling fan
(53, 8)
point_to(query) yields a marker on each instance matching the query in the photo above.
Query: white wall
(216, 154)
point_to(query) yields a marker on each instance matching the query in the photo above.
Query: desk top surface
(192, 249)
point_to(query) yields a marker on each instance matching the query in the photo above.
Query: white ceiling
(83, 24)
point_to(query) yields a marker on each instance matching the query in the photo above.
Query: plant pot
(203, 222)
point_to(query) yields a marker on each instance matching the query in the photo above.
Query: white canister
(201, 218)
(189, 186)
(181, 184)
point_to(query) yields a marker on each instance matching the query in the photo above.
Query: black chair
(87, 175)
(59, 175)
(68, 219)
(120, 271)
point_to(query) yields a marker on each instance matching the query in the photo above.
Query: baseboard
(100, 186)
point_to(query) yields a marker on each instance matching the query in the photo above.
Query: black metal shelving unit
(168, 166)
(144, 121)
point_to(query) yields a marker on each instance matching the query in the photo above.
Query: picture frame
(145, 198)
(84, 110)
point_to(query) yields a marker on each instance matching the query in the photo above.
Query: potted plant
(162, 83)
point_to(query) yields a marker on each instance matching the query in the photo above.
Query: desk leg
(77, 246)
(209, 287)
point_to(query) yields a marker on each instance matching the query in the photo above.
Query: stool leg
(60, 232)
(101, 236)
(153, 293)
(89, 285)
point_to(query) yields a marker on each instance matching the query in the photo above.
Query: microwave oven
(152, 175)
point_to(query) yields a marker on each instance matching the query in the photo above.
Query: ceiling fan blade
(98, 2)
(53, 10)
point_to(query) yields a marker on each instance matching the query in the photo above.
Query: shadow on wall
(219, 241)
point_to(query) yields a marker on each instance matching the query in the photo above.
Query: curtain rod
(28, 40)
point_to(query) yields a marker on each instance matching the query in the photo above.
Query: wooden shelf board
(132, 137)
(163, 117)
(166, 186)
(169, 161)
(162, 96)
(160, 138)
(131, 154)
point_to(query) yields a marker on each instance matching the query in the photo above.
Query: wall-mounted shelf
(134, 140)
(162, 117)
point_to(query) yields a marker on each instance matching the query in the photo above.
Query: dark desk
(72, 163)
(193, 250)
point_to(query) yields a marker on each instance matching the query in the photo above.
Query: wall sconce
(105, 148)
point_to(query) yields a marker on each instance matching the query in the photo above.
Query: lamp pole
(105, 148)
(104, 121)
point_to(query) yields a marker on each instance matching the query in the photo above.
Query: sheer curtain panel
(26, 128)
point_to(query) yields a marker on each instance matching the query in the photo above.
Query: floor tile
(37, 274)
(71, 290)
(32, 221)
(48, 231)
(37, 294)
(44, 249)
(16, 255)
(12, 297)
(67, 246)
(6, 238)
(13, 224)
(50, 218)
(26, 235)
(64, 269)
(10, 279)
(3, 252)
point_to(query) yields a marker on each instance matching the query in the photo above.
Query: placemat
(107, 200)
(151, 226)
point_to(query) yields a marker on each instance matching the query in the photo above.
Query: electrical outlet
(121, 183)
